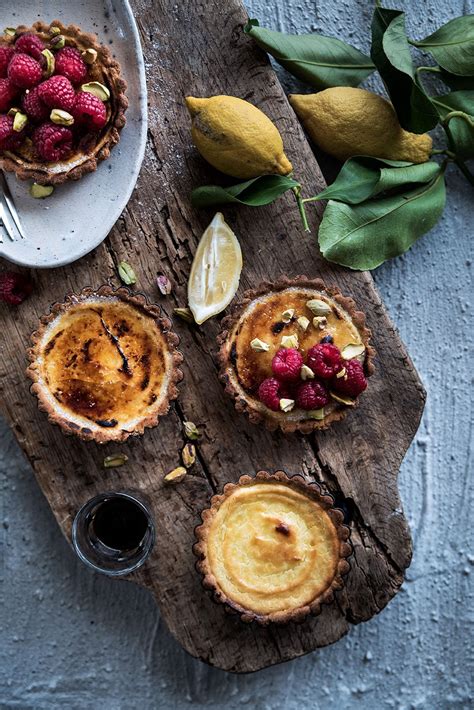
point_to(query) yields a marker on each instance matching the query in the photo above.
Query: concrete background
(72, 639)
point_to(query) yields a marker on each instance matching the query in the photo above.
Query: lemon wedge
(215, 271)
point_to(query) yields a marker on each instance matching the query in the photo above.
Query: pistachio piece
(89, 55)
(164, 284)
(62, 118)
(352, 350)
(320, 322)
(58, 42)
(317, 414)
(99, 90)
(40, 191)
(50, 62)
(13, 111)
(188, 455)
(343, 400)
(176, 475)
(126, 273)
(287, 315)
(259, 345)
(185, 314)
(306, 373)
(303, 322)
(115, 460)
(54, 31)
(341, 373)
(191, 431)
(289, 341)
(20, 121)
(286, 405)
(318, 307)
(10, 31)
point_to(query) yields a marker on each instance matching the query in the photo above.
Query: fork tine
(6, 222)
(11, 205)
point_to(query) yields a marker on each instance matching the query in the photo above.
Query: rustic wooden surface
(357, 459)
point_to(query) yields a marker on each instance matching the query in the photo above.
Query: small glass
(113, 533)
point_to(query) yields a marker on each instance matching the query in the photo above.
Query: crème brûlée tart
(272, 548)
(295, 354)
(104, 364)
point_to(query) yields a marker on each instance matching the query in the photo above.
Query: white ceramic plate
(79, 215)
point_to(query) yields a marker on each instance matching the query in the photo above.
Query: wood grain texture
(201, 50)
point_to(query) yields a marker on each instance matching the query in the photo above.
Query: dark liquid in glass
(119, 524)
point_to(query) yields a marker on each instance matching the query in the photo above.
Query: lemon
(236, 137)
(345, 122)
(215, 271)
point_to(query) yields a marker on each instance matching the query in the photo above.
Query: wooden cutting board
(198, 48)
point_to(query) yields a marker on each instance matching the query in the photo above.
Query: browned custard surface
(105, 361)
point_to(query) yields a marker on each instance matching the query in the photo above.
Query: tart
(295, 355)
(71, 99)
(104, 364)
(272, 548)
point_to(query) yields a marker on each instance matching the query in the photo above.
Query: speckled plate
(79, 215)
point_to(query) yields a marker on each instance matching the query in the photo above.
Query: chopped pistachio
(176, 475)
(50, 62)
(259, 345)
(99, 90)
(318, 307)
(13, 111)
(286, 405)
(191, 431)
(343, 400)
(10, 31)
(317, 414)
(303, 322)
(20, 121)
(185, 314)
(126, 273)
(287, 315)
(352, 350)
(58, 42)
(115, 460)
(188, 455)
(54, 31)
(306, 373)
(61, 118)
(289, 341)
(40, 191)
(341, 373)
(164, 284)
(89, 55)
(320, 322)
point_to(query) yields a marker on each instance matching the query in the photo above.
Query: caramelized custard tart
(104, 364)
(272, 548)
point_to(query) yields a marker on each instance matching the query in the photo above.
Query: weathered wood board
(198, 48)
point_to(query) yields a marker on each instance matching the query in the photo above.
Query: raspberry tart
(104, 364)
(62, 102)
(295, 355)
(272, 548)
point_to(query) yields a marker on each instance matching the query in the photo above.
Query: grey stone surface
(75, 640)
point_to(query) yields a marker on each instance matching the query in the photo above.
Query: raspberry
(32, 45)
(312, 395)
(353, 382)
(270, 392)
(287, 364)
(14, 287)
(57, 92)
(33, 106)
(324, 360)
(52, 142)
(69, 63)
(24, 71)
(89, 111)
(6, 53)
(8, 93)
(9, 139)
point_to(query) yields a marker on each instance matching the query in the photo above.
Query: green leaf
(455, 82)
(452, 45)
(391, 55)
(461, 128)
(364, 236)
(255, 193)
(364, 177)
(320, 61)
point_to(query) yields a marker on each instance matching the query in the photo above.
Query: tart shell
(108, 137)
(244, 404)
(312, 490)
(85, 433)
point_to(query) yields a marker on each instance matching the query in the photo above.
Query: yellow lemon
(236, 137)
(345, 122)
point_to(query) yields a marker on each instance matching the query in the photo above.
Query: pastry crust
(40, 390)
(110, 134)
(245, 404)
(310, 490)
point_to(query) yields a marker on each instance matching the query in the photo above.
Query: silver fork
(8, 212)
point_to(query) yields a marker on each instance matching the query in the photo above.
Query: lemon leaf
(461, 127)
(452, 45)
(255, 193)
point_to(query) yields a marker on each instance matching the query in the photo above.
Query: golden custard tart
(62, 102)
(104, 364)
(272, 548)
(295, 355)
